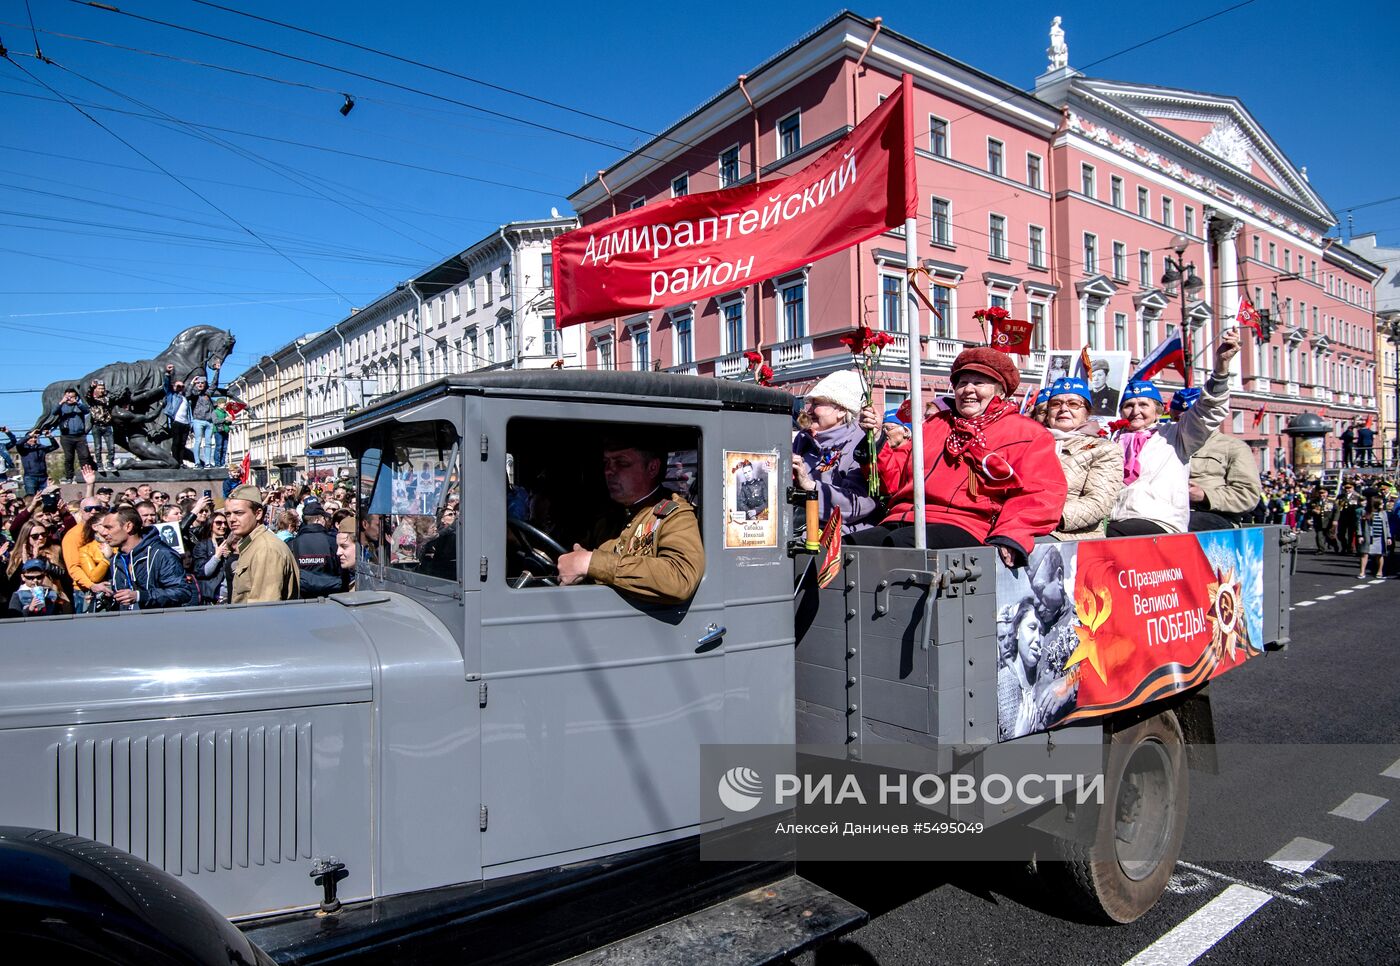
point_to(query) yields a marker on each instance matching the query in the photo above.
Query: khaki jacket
(1093, 468)
(1224, 468)
(266, 569)
(658, 555)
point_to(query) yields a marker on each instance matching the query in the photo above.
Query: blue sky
(275, 226)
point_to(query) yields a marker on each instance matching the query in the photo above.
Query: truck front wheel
(1140, 825)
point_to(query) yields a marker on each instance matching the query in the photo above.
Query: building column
(1228, 293)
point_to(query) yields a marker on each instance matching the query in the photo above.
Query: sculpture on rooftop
(1058, 51)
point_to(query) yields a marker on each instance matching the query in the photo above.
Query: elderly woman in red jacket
(991, 475)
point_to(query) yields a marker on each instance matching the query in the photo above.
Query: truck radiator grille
(191, 801)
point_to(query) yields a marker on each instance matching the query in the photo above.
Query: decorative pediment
(998, 282)
(1294, 337)
(946, 270)
(1100, 288)
(503, 313)
(1210, 130)
(1199, 313)
(1321, 344)
(1151, 302)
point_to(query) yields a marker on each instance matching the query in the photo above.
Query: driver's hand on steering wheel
(573, 566)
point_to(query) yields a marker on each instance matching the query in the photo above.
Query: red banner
(1012, 336)
(701, 245)
(1248, 315)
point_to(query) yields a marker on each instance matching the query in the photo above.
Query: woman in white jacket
(1156, 495)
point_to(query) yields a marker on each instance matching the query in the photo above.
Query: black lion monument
(137, 390)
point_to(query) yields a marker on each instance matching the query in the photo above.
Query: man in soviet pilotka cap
(266, 568)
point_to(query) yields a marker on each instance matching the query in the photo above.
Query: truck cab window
(410, 491)
(556, 495)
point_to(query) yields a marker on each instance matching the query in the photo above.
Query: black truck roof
(644, 388)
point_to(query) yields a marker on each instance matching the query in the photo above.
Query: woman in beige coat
(1093, 464)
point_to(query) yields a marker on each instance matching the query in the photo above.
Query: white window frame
(636, 203)
(780, 288)
(1168, 212)
(1115, 191)
(947, 151)
(673, 317)
(1090, 239)
(1039, 183)
(607, 352)
(1118, 257)
(1144, 206)
(686, 176)
(1088, 173)
(778, 134)
(719, 166)
(899, 319)
(1001, 155)
(1005, 242)
(641, 335)
(946, 241)
(1035, 251)
(724, 303)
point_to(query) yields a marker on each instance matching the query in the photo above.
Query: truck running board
(769, 924)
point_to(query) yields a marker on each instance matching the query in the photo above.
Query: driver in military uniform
(658, 556)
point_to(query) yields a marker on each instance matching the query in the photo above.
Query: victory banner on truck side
(701, 245)
(1091, 628)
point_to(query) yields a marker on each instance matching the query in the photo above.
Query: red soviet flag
(1248, 315)
(700, 245)
(1012, 336)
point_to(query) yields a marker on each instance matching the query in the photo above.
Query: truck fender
(69, 899)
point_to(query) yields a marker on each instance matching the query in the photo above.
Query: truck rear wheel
(1140, 825)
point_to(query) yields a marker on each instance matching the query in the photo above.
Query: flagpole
(916, 394)
(911, 262)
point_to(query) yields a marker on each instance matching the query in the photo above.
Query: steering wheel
(535, 542)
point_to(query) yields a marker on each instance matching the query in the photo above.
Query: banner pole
(916, 395)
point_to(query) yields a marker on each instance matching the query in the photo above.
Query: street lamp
(1180, 272)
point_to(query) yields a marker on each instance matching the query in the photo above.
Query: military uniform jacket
(266, 569)
(658, 555)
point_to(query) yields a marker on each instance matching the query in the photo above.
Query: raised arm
(1196, 424)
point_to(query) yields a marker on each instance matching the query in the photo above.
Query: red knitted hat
(990, 362)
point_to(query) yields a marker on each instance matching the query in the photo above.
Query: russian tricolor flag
(1171, 354)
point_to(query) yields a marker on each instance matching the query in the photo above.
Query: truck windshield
(410, 491)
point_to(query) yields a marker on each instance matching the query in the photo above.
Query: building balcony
(731, 365)
(898, 350)
(688, 369)
(791, 353)
(942, 352)
(1291, 389)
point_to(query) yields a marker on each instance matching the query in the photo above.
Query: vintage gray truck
(462, 758)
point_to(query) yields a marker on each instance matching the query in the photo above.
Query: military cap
(247, 492)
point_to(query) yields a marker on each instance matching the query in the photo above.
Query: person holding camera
(146, 574)
(33, 452)
(70, 416)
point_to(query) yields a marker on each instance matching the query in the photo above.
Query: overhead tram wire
(362, 76)
(174, 178)
(314, 147)
(214, 181)
(248, 155)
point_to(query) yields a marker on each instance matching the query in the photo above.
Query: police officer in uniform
(314, 546)
(658, 556)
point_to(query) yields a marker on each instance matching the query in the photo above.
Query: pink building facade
(1061, 206)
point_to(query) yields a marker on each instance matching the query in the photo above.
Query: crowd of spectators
(141, 548)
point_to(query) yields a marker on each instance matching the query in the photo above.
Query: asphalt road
(1337, 684)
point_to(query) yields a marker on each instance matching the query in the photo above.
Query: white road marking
(1340, 592)
(1201, 870)
(1378, 580)
(1305, 603)
(1359, 807)
(1197, 933)
(1359, 586)
(1393, 771)
(1325, 597)
(1299, 855)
